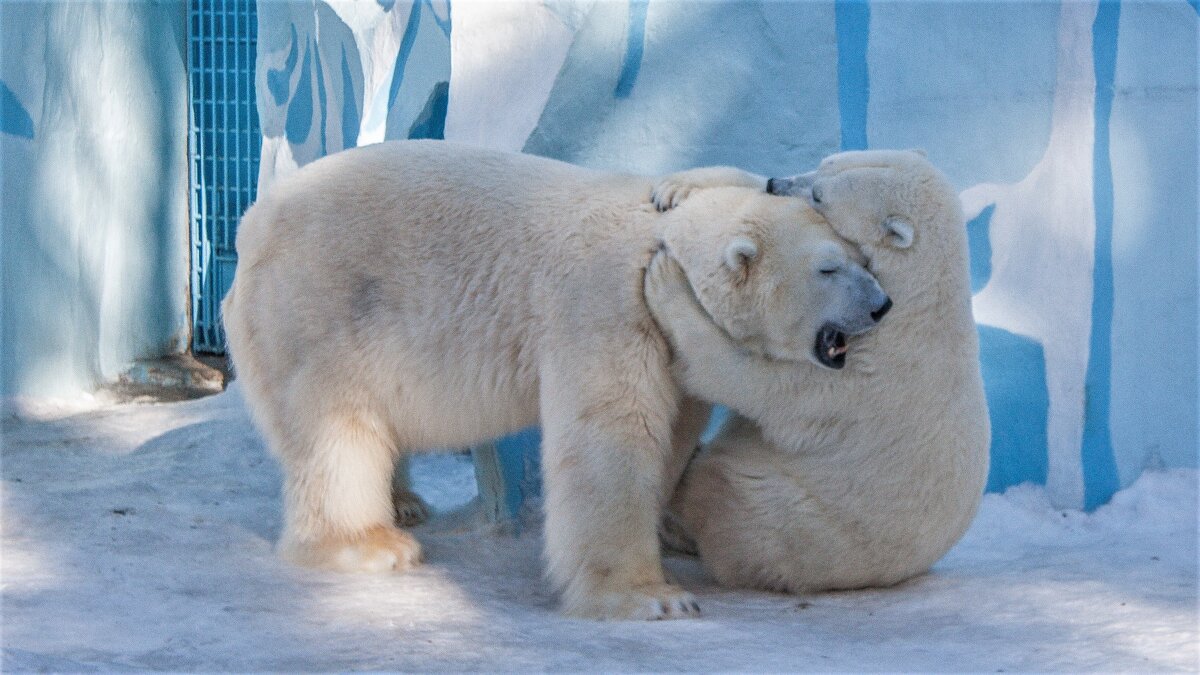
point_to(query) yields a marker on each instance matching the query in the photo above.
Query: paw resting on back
(670, 192)
(668, 292)
(665, 279)
(675, 188)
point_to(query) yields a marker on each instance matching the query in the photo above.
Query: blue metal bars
(224, 149)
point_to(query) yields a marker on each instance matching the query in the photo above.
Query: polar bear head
(901, 212)
(874, 198)
(773, 275)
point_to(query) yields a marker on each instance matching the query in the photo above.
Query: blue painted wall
(1070, 129)
(93, 182)
(1154, 236)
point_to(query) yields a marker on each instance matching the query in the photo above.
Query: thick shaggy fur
(840, 480)
(423, 294)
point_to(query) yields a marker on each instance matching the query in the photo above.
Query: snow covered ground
(139, 537)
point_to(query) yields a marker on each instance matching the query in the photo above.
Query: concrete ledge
(173, 378)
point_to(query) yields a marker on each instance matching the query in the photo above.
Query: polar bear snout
(793, 186)
(868, 303)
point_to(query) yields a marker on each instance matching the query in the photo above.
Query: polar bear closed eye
(860, 478)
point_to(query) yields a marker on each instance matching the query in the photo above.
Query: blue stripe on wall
(406, 47)
(1014, 379)
(852, 19)
(444, 25)
(14, 119)
(980, 248)
(431, 123)
(350, 119)
(1099, 464)
(635, 40)
(322, 102)
(298, 124)
(520, 462)
(279, 80)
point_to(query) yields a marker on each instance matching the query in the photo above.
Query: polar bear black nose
(879, 313)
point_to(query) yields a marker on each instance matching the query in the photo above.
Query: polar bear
(860, 478)
(422, 294)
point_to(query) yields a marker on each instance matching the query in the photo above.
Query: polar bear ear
(919, 152)
(739, 252)
(898, 232)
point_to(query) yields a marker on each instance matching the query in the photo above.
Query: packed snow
(139, 536)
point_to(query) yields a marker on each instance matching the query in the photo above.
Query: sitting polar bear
(423, 294)
(839, 480)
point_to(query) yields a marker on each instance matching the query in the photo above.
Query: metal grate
(224, 147)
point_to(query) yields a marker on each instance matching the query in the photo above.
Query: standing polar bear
(423, 294)
(860, 478)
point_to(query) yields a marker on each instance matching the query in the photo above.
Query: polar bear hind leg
(339, 501)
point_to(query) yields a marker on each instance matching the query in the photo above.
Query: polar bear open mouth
(830, 348)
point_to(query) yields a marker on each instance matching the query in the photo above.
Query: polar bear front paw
(671, 191)
(669, 295)
(646, 603)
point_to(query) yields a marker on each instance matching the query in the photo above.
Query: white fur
(852, 478)
(424, 294)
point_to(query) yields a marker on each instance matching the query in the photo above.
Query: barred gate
(224, 147)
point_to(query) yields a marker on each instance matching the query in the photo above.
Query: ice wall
(93, 182)
(1070, 128)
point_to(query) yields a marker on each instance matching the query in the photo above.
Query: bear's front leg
(606, 442)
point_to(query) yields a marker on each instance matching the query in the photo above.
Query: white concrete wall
(93, 182)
